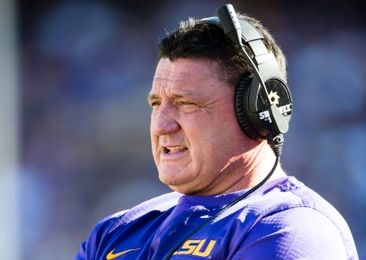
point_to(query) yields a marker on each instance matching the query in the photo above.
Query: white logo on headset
(285, 110)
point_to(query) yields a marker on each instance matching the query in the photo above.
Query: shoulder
(291, 220)
(296, 233)
(288, 195)
(102, 230)
(157, 204)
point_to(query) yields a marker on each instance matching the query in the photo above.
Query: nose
(164, 121)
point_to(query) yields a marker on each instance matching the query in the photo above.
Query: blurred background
(74, 121)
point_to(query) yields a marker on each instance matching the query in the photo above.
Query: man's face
(194, 132)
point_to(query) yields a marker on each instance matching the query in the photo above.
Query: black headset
(263, 102)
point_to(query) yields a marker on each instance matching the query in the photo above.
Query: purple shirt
(283, 219)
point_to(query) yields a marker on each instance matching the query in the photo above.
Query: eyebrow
(152, 96)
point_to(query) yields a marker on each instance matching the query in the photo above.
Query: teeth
(174, 149)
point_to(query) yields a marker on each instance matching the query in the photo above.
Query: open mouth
(173, 149)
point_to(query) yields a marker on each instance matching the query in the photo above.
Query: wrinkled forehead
(187, 70)
(186, 76)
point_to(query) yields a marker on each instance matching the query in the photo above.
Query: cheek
(218, 140)
(203, 132)
(206, 145)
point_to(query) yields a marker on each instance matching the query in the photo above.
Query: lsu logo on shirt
(200, 248)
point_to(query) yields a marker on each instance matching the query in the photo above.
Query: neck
(246, 170)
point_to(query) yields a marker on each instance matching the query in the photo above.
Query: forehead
(188, 75)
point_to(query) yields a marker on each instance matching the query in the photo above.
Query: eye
(154, 104)
(188, 106)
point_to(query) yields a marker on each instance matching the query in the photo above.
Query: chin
(177, 183)
(183, 189)
(169, 180)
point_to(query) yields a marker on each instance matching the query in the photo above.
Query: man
(216, 134)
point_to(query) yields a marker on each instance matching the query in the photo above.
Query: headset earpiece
(241, 100)
(247, 105)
